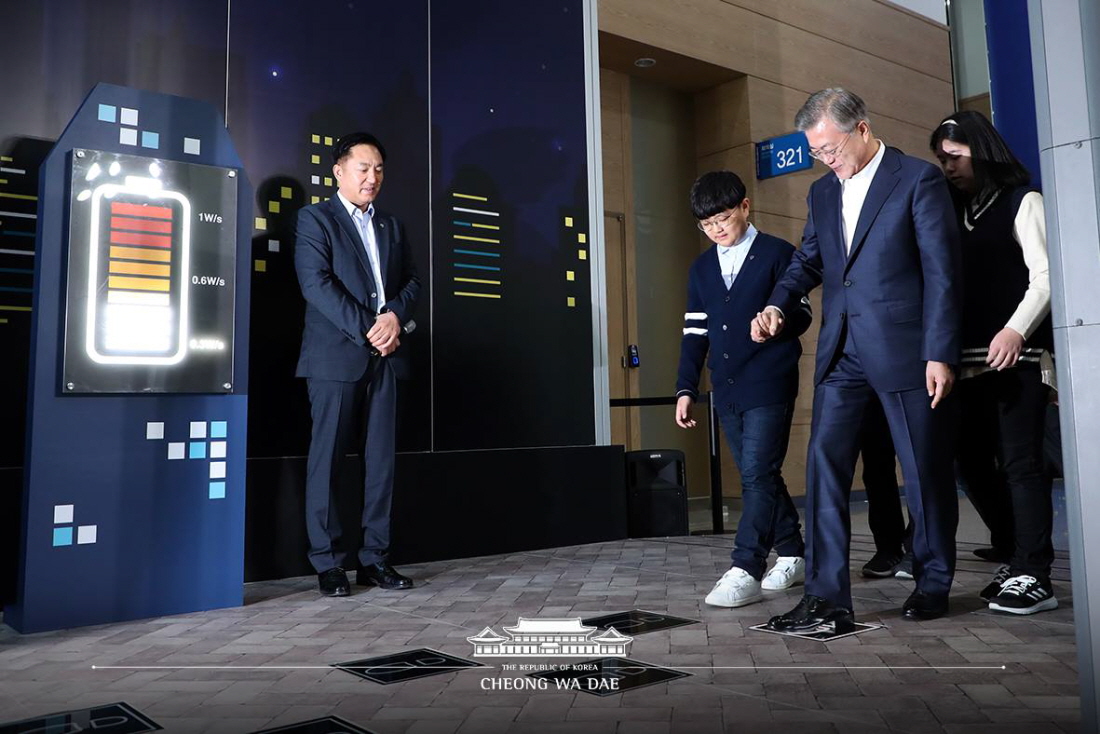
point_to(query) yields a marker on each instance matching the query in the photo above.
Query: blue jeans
(758, 440)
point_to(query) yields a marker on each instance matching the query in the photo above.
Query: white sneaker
(736, 588)
(787, 571)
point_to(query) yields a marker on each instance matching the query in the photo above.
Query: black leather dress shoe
(922, 605)
(811, 613)
(882, 565)
(383, 575)
(333, 582)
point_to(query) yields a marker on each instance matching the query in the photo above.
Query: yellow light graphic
(569, 275)
(476, 239)
(477, 295)
(476, 280)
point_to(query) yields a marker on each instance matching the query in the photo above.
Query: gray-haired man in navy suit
(360, 285)
(881, 240)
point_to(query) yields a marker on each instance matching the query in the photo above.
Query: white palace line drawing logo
(549, 638)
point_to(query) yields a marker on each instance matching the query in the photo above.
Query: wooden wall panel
(783, 54)
(622, 312)
(613, 91)
(879, 28)
(722, 117)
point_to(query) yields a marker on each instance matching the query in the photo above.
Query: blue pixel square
(217, 490)
(218, 429)
(150, 140)
(197, 450)
(62, 536)
(107, 112)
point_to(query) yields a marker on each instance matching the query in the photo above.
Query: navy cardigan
(744, 374)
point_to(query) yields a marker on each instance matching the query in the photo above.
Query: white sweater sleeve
(1030, 232)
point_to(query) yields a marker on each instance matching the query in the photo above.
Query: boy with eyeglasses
(754, 384)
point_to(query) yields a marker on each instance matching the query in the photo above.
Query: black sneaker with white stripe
(1024, 595)
(994, 587)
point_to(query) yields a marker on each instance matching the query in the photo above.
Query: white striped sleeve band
(697, 332)
(695, 316)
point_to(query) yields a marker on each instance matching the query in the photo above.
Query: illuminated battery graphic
(138, 272)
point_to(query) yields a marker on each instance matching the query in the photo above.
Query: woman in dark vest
(1007, 341)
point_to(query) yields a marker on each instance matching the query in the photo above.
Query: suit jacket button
(727, 299)
(729, 380)
(374, 295)
(847, 283)
(724, 327)
(725, 356)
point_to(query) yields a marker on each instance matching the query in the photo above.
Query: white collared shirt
(730, 259)
(364, 222)
(853, 192)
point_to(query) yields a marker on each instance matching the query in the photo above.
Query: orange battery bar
(133, 238)
(132, 268)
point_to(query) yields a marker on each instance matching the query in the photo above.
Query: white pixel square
(217, 449)
(128, 116)
(217, 470)
(62, 514)
(127, 136)
(175, 450)
(315, 180)
(154, 430)
(198, 429)
(85, 534)
(192, 146)
(273, 245)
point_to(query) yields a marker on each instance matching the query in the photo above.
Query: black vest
(996, 276)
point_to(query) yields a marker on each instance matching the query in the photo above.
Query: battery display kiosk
(134, 477)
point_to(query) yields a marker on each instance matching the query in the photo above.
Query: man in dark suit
(754, 384)
(360, 285)
(882, 240)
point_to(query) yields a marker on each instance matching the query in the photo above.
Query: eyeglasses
(821, 153)
(714, 223)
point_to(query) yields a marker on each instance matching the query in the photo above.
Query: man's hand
(1005, 349)
(683, 411)
(383, 336)
(939, 380)
(767, 325)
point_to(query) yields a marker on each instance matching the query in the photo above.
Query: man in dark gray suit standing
(360, 285)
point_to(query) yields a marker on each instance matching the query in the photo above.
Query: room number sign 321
(782, 155)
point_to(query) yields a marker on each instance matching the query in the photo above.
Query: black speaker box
(656, 482)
